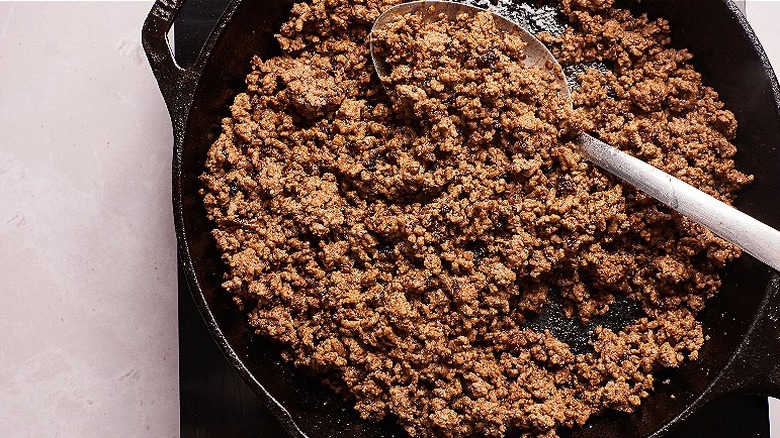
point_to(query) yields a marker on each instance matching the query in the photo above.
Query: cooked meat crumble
(397, 241)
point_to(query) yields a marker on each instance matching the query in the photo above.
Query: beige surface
(88, 342)
(88, 335)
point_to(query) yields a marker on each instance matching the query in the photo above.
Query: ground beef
(398, 242)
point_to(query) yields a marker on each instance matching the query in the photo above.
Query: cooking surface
(88, 343)
(201, 404)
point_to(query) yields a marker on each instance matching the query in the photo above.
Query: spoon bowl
(752, 236)
(536, 53)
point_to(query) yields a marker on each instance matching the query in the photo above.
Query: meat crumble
(396, 236)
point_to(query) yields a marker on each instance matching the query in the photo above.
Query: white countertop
(88, 287)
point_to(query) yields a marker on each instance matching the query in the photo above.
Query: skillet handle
(755, 367)
(177, 84)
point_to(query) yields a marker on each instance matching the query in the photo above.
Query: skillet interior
(730, 63)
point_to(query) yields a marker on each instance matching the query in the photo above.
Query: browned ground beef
(397, 242)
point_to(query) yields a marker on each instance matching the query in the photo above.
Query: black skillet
(743, 322)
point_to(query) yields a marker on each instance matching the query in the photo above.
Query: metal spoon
(754, 237)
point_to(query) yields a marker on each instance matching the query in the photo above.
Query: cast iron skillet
(741, 355)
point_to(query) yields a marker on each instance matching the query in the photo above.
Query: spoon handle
(754, 237)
